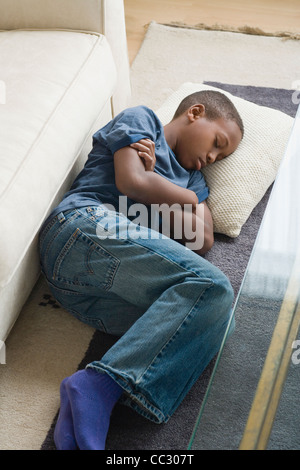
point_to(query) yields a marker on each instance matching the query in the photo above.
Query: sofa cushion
(56, 85)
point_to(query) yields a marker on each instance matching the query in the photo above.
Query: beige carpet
(45, 346)
(170, 56)
(47, 343)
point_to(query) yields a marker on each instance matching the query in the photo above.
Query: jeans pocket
(82, 262)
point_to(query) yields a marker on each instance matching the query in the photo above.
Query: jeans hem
(132, 398)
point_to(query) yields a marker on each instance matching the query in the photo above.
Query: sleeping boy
(167, 304)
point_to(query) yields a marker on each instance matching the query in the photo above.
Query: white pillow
(239, 182)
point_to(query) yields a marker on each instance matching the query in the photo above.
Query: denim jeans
(169, 306)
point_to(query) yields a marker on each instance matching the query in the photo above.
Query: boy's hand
(146, 151)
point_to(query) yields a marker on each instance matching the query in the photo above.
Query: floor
(267, 15)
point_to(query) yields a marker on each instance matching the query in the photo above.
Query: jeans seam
(144, 406)
(57, 232)
(46, 230)
(178, 266)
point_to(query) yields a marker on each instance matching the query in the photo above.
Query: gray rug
(130, 431)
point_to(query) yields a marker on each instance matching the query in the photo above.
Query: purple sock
(92, 396)
(64, 437)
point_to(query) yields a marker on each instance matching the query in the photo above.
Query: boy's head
(216, 104)
(205, 128)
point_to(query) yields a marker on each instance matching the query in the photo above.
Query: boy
(169, 306)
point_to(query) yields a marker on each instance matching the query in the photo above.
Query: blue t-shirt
(95, 184)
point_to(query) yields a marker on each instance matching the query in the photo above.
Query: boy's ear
(196, 111)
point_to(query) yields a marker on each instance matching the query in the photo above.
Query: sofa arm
(99, 16)
(115, 31)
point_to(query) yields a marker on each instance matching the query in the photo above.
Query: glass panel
(269, 294)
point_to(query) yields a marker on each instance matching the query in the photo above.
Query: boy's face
(202, 142)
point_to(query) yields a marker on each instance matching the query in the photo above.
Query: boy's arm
(196, 228)
(147, 187)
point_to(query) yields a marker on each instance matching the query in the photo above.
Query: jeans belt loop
(61, 217)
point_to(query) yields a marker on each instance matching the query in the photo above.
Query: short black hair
(217, 105)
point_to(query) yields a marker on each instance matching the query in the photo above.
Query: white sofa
(64, 73)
